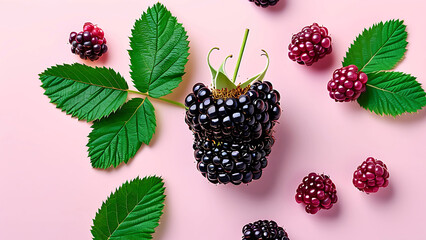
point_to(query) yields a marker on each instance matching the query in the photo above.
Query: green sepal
(260, 76)
(214, 71)
(222, 80)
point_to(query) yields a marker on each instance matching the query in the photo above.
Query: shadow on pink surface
(332, 213)
(384, 195)
(406, 118)
(325, 64)
(281, 5)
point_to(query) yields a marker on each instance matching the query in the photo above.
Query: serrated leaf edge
(370, 29)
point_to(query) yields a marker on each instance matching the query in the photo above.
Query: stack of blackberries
(233, 135)
(89, 43)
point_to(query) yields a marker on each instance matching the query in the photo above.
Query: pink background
(49, 190)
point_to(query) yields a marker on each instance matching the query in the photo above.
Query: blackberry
(371, 175)
(240, 118)
(310, 45)
(265, 3)
(89, 43)
(347, 84)
(264, 230)
(316, 192)
(232, 162)
(232, 126)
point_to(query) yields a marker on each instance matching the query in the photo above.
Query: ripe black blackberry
(265, 3)
(264, 230)
(249, 115)
(89, 43)
(232, 162)
(232, 127)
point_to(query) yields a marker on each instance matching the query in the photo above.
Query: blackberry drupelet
(265, 3)
(347, 84)
(310, 45)
(89, 43)
(264, 230)
(371, 175)
(316, 192)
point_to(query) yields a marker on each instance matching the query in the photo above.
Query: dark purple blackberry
(265, 3)
(371, 175)
(347, 84)
(264, 230)
(316, 192)
(89, 43)
(244, 118)
(310, 45)
(232, 162)
(232, 126)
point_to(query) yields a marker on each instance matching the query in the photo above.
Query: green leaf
(132, 212)
(117, 138)
(222, 80)
(260, 76)
(379, 48)
(392, 93)
(159, 52)
(84, 92)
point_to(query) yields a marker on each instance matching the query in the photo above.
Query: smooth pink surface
(49, 190)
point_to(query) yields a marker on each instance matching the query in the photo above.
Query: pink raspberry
(347, 84)
(371, 175)
(310, 45)
(316, 192)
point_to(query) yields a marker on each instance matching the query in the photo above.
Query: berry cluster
(347, 84)
(264, 230)
(316, 192)
(264, 3)
(89, 43)
(310, 45)
(371, 175)
(235, 131)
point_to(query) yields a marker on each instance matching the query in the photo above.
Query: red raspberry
(347, 84)
(310, 45)
(371, 175)
(316, 192)
(89, 43)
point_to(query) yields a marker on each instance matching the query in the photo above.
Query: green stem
(161, 99)
(240, 56)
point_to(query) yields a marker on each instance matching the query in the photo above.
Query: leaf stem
(161, 99)
(240, 56)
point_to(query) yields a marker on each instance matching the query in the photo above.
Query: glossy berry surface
(265, 3)
(347, 84)
(371, 175)
(316, 192)
(233, 135)
(264, 230)
(89, 43)
(310, 45)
